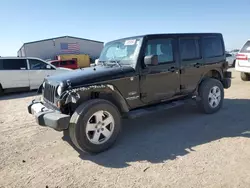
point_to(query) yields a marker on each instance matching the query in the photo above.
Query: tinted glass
(228, 55)
(246, 48)
(36, 64)
(1, 64)
(63, 63)
(71, 62)
(213, 47)
(55, 63)
(161, 47)
(189, 49)
(13, 64)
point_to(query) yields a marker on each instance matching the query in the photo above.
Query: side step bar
(156, 108)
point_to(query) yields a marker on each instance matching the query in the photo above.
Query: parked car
(230, 58)
(22, 73)
(243, 61)
(71, 63)
(136, 76)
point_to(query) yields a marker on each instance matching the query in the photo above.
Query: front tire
(211, 92)
(95, 126)
(244, 76)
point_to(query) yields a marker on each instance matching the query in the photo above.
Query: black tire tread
(244, 76)
(84, 107)
(1, 90)
(203, 89)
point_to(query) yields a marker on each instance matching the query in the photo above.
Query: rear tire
(211, 92)
(244, 76)
(95, 126)
(1, 90)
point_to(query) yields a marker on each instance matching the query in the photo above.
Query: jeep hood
(91, 75)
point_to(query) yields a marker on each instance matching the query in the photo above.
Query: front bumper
(47, 117)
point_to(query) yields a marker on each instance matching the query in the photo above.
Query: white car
(242, 63)
(24, 73)
(230, 58)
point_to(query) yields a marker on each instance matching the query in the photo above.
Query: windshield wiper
(103, 62)
(116, 62)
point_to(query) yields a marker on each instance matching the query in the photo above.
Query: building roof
(61, 37)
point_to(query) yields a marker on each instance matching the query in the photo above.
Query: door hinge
(143, 95)
(182, 87)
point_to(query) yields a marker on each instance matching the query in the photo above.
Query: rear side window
(213, 47)
(190, 49)
(246, 48)
(13, 64)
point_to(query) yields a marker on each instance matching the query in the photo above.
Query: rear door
(38, 71)
(14, 73)
(243, 56)
(191, 62)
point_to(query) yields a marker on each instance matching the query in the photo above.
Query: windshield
(123, 51)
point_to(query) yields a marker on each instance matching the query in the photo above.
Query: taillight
(241, 57)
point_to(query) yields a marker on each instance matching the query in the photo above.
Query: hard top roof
(167, 34)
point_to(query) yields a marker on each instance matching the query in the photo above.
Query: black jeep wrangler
(134, 76)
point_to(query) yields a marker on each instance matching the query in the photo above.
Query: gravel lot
(176, 148)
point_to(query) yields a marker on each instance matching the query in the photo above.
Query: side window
(63, 63)
(190, 49)
(213, 47)
(72, 62)
(55, 63)
(37, 65)
(1, 64)
(228, 55)
(14, 64)
(161, 47)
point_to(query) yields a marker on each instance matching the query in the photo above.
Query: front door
(37, 72)
(192, 65)
(162, 81)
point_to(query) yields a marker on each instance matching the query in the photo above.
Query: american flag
(70, 48)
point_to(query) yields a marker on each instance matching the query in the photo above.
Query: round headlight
(59, 90)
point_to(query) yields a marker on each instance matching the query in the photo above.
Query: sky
(105, 20)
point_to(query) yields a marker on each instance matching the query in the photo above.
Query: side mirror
(151, 60)
(48, 67)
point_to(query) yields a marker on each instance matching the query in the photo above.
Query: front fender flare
(81, 94)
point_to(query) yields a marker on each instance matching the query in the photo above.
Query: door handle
(197, 65)
(172, 69)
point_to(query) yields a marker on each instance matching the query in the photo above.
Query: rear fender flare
(208, 75)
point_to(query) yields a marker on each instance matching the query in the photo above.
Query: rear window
(213, 47)
(13, 64)
(246, 48)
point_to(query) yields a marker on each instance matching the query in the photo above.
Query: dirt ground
(176, 148)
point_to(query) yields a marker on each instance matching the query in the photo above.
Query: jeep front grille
(49, 92)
